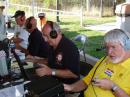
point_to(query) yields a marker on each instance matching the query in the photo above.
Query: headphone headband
(53, 32)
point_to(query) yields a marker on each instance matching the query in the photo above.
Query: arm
(109, 85)
(76, 87)
(67, 73)
(16, 40)
(120, 93)
(58, 72)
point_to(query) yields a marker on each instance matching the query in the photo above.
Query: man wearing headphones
(63, 60)
(110, 77)
(37, 45)
(21, 35)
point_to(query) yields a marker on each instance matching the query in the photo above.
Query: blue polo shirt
(65, 56)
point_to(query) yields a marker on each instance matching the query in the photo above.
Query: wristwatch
(114, 88)
(53, 72)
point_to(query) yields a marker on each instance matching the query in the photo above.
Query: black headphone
(28, 24)
(53, 32)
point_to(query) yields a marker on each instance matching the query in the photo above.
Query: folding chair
(83, 40)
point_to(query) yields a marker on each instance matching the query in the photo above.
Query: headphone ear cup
(29, 25)
(53, 34)
(127, 44)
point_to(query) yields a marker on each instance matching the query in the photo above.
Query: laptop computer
(20, 64)
(46, 86)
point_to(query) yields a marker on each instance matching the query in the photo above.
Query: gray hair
(56, 27)
(116, 35)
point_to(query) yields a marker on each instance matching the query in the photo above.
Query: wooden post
(114, 6)
(57, 13)
(81, 14)
(88, 5)
(101, 9)
(33, 5)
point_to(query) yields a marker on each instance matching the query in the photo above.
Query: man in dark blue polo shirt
(64, 56)
(37, 45)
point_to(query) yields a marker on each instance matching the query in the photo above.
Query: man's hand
(44, 70)
(67, 88)
(75, 87)
(29, 57)
(104, 83)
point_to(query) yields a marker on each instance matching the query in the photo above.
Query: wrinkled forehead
(46, 26)
(33, 20)
(114, 40)
(112, 43)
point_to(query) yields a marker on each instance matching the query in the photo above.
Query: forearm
(107, 84)
(78, 86)
(65, 73)
(24, 50)
(16, 40)
(41, 61)
(120, 93)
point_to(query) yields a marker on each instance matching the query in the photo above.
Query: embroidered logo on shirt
(59, 58)
(109, 72)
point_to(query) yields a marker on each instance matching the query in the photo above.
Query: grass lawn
(94, 20)
(71, 27)
(94, 38)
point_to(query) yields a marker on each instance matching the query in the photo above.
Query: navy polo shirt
(65, 56)
(37, 45)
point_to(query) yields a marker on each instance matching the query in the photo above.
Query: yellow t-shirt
(118, 73)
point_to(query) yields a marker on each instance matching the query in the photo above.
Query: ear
(22, 19)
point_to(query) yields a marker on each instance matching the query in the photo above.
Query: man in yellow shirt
(110, 77)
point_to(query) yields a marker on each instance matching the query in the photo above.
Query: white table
(13, 91)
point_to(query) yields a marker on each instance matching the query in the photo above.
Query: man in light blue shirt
(21, 35)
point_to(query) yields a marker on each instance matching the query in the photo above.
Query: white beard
(117, 59)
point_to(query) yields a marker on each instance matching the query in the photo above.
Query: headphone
(29, 24)
(126, 40)
(53, 32)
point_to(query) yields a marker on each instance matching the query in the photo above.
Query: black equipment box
(45, 86)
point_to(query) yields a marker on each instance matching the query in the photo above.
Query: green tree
(49, 3)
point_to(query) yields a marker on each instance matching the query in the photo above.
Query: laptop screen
(21, 64)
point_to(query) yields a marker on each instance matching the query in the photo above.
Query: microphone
(100, 49)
